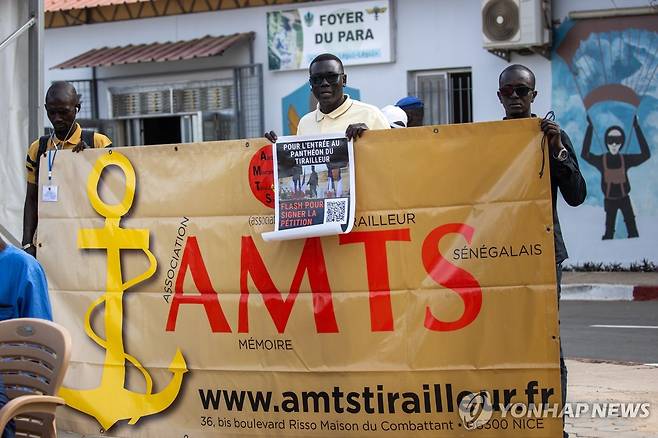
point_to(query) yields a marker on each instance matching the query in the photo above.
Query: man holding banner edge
(517, 93)
(62, 105)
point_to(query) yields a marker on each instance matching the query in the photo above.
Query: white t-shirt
(350, 112)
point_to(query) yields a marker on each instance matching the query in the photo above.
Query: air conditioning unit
(515, 24)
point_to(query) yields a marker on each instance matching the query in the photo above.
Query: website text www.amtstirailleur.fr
(428, 398)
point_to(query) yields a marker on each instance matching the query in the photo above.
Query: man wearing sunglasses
(336, 112)
(516, 93)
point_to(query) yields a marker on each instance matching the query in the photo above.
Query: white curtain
(13, 116)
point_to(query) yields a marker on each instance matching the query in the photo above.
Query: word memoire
(312, 263)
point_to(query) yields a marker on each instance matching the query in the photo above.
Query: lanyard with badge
(49, 193)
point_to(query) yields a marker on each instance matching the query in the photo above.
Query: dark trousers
(563, 366)
(611, 206)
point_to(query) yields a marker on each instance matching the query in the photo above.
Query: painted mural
(301, 101)
(605, 94)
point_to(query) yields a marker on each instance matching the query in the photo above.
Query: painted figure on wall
(614, 165)
(612, 64)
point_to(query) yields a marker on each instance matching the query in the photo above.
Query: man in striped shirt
(62, 107)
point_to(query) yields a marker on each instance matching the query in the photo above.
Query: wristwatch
(562, 155)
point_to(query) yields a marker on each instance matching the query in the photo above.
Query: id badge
(49, 193)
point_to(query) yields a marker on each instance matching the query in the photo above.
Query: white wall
(13, 117)
(431, 34)
(561, 8)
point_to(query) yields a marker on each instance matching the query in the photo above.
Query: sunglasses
(521, 90)
(332, 79)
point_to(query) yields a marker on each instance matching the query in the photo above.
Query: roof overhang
(62, 13)
(156, 52)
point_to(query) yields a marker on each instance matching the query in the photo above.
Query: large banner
(605, 94)
(440, 303)
(356, 32)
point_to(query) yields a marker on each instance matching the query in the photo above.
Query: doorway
(183, 128)
(161, 130)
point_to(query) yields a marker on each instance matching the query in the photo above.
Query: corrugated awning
(66, 5)
(156, 52)
(61, 13)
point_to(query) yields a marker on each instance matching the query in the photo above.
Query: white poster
(356, 32)
(313, 186)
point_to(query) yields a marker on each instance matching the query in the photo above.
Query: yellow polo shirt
(100, 141)
(350, 112)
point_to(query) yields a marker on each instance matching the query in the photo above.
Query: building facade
(436, 45)
(160, 71)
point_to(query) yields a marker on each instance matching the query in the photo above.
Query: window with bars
(446, 94)
(231, 107)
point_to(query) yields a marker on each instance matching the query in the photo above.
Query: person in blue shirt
(23, 294)
(23, 285)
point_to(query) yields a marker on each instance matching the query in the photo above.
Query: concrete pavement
(607, 344)
(591, 381)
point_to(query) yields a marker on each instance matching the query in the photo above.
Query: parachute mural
(610, 60)
(605, 93)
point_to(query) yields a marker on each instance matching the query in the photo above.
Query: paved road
(581, 340)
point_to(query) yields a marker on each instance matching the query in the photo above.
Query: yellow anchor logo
(111, 401)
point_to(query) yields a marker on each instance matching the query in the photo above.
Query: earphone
(52, 134)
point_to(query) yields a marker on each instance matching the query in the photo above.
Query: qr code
(335, 210)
